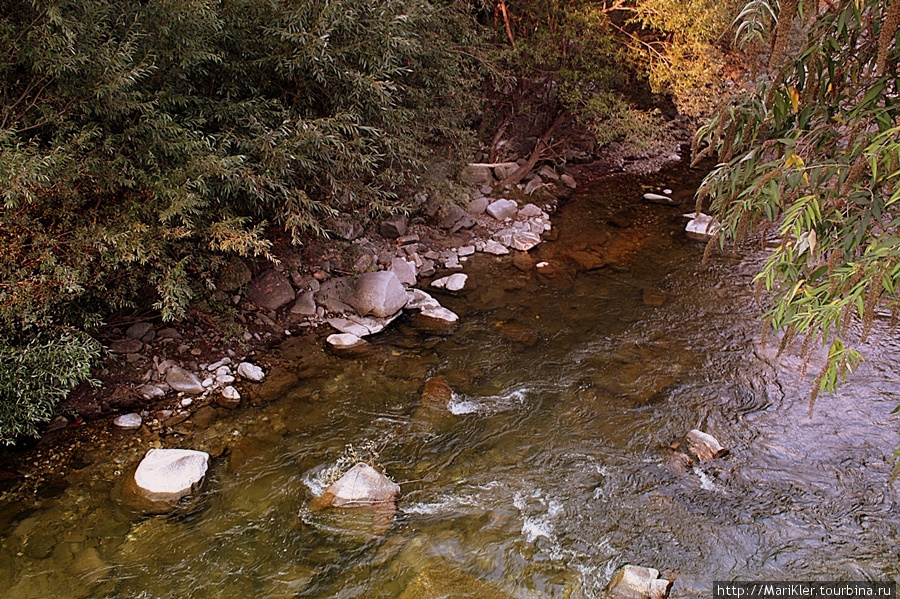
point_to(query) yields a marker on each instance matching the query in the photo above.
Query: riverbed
(552, 466)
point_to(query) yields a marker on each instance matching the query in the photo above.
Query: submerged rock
(437, 393)
(361, 486)
(439, 580)
(705, 446)
(128, 421)
(170, 474)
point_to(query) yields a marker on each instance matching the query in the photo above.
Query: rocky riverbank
(164, 379)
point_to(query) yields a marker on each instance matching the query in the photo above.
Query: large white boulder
(170, 474)
(378, 293)
(362, 485)
(503, 209)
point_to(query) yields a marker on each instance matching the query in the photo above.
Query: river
(551, 470)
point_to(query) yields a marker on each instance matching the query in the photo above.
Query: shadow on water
(552, 467)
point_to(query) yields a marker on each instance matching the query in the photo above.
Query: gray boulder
(394, 227)
(505, 169)
(170, 474)
(478, 206)
(138, 330)
(270, 290)
(378, 293)
(305, 304)
(362, 485)
(405, 270)
(503, 209)
(477, 174)
(126, 346)
(184, 381)
(457, 218)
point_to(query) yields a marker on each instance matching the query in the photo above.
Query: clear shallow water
(552, 469)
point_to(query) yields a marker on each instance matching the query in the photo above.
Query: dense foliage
(605, 59)
(811, 156)
(142, 141)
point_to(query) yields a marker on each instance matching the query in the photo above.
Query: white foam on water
(489, 404)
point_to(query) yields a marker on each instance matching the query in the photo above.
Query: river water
(552, 468)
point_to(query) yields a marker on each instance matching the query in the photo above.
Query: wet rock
(517, 332)
(454, 282)
(348, 327)
(477, 174)
(435, 580)
(636, 582)
(494, 247)
(270, 290)
(58, 423)
(437, 393)
(361, 486)
(277, 384)
(705, 446)
(305, 304)
(478, 206)
(405, 271)
(203, 417)
(229, 398)
(378, 293)
(523, 261)
(170, 474)
(184, 381)
(436, 321)
(466, 250)
(701, 227)
(655, 198)
(653, 297)
(126, 346)
(89, 567)
(344, 340)
(138, 330)
(503, 209)
(394, 227)
(251, 372)
(128, 421)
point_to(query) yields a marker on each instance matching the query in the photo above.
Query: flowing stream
(553, 466)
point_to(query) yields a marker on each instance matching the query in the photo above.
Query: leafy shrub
(35, 377)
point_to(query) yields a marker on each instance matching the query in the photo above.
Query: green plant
(35, 376)
(812, 156)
